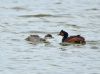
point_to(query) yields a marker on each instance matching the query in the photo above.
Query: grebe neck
(65, 37)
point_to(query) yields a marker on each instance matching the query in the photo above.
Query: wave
(41, 15)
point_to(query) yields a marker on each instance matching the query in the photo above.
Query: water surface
(20, 18)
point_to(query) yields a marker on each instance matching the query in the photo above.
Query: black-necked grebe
(72, 39)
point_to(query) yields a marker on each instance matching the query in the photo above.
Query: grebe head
(63, 33)
(48, 36)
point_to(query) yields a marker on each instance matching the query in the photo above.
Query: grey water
(20, 18)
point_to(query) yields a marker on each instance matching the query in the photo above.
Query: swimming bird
(77, 39)
(37, 38)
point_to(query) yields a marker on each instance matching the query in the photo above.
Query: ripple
(15, 40)
(11, 68)
(1, 70)
(93, 9)
(55, 65)
(40, 15)
(58, 3)
(73, 25)
(93, 42)
(94, 47)
(19, 8)
(42, 32)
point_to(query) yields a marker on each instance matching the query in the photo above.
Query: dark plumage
(72, 39)
(48, 36)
